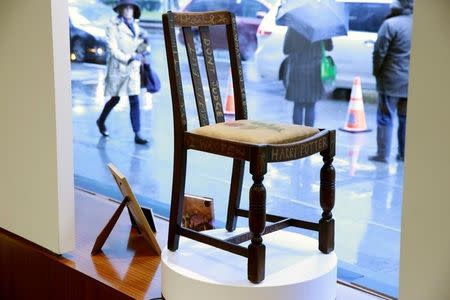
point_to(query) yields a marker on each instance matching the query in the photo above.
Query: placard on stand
(136, 214)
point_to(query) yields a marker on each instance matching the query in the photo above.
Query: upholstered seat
(256, 132)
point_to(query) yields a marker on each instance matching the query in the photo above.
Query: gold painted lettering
(302, 149)
(274, 154)
(307, 149)
(209, 59)
(282, 154)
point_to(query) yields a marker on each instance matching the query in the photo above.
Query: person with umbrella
(123, 65)
(304, 82)
(391, 56)
(311, 25)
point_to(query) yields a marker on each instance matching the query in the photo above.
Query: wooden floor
(126, 262)
(126, 268)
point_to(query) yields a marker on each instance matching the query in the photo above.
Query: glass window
(369, 195)
(367, 16)
(86, 15)
(150, 5)
(206, 5)
(197, 6)
(249, 9)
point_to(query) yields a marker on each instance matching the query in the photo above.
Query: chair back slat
(173, 65)
(236, 70)
(195, 76)
(211, 71)
(202, 18)
(202, 21)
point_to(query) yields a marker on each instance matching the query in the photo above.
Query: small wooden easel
(136, 215)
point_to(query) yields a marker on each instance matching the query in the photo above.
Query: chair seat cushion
(255, 132)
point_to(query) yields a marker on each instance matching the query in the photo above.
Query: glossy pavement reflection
(368, 195)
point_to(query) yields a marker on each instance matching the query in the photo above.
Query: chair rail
(201, 18)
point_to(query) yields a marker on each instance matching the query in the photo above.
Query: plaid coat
(304, 83)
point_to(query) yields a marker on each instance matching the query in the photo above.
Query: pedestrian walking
(391, 69)
(304, 82)
(123, 65)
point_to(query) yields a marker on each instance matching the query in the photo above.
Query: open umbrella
(314, 19)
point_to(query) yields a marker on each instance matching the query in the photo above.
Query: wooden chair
(241, 139)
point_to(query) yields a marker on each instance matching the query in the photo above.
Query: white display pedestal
(295, 269)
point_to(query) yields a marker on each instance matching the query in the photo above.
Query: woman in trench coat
(122, 75)
(304, 82)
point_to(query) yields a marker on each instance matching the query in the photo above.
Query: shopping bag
(149, 79)
(328, 69)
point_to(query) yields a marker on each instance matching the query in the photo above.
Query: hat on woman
(136, 8)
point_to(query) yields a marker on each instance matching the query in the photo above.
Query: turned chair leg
(257, 223)
(176, 207)
(235, 193)
(327, 198)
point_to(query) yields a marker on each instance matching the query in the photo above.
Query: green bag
(328, 68)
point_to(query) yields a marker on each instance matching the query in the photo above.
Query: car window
(367, 16)
(207, 5)
(196, 6)
(77, 18)
(250, 8)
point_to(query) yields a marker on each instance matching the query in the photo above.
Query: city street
(368, 195)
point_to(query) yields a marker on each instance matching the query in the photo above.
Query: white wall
(425, 245)
(36, 180)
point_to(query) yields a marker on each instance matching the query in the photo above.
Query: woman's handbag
(149, 79)
(328, 68)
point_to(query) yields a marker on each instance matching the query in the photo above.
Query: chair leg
(176, 207)
(257, 223)
(235, 193)
(327, 199)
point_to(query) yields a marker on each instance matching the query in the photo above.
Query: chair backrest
(186, 21)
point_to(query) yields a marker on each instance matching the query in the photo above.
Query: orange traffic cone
(356, 119)
(229, 102)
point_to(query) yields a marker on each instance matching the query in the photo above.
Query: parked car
(249, 14)
(352, 53)
(88, 21)
(150, 5)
